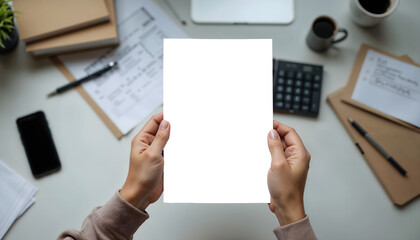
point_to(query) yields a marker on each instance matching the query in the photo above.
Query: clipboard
(348, 90)
(108, 122)
(401, 142)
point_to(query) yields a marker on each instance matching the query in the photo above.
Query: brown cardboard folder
(348, 91)
(114, 129)
(401, 142)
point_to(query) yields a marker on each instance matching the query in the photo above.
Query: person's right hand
(287, 174)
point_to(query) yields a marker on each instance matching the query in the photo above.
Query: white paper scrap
(390, 86)
(218, 99)
(16, 196)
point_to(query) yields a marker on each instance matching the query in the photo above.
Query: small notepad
(390, 86)
(218, 99)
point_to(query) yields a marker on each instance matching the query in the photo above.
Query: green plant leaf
(9, 19)
(4, 35)
(6, 21)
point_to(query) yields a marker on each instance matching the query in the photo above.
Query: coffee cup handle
(345, 33)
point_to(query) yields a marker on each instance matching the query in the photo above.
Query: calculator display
(307, 68)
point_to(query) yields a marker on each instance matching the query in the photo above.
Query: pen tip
(52, 94)
(350, 120)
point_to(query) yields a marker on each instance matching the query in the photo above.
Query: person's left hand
(144, 183)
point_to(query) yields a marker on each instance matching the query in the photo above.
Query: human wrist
(290, 213)
(136, 197)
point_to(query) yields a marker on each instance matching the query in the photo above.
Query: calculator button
(296, 99)
(287, 105)
(317, 78)
(298, 83)
(308, 77)
(289, 90)
(298, 91)
(279, 96)
(288, 98)
(280, 88)
(306, 100)
(296, 107)
(299, 75)
(315, 100)
(289, 82)
(317, 86)
(306, 92)
(279, 105)
(305, 108)
(282, 73)
(290, 74)
(307, 84)
(280, 81)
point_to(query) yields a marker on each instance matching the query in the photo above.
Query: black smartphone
(38, 143)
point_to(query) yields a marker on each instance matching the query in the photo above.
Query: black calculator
(296, 87)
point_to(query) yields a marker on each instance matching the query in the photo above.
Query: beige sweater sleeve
(300, 230)
(117, 219)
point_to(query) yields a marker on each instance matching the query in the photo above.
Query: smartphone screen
(38, 143)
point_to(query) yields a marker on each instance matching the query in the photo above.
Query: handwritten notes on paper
(390, 86)
(133, 90)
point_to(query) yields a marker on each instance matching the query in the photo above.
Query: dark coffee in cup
(324, 27)
(323, 34)
(375, 6)
(368, 13)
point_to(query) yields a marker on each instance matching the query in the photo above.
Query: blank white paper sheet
(217, 96)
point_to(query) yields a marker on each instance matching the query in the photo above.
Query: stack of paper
(17, 195)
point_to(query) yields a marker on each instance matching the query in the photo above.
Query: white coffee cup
(365, 18)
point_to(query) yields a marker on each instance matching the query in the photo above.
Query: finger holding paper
(144, 183)
(287, 174)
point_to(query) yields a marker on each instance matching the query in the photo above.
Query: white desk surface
(343, 198)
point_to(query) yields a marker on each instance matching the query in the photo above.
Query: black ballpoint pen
(377, 146)
(85, 79)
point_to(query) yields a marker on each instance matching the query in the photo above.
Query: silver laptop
(242, 11)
